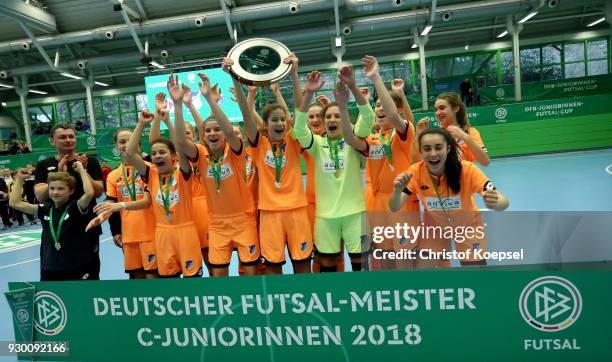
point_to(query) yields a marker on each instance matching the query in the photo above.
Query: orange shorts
(178, 249)
(312, 212)
(227, 233)
(200, 217)
(277, 228)
(139, 255)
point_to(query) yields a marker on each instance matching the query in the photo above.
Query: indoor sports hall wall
(566, 124)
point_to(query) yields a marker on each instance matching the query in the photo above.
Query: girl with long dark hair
(445, 185)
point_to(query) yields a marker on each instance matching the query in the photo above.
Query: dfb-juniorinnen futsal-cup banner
(582, 86)
(389, 315)
(533, 111)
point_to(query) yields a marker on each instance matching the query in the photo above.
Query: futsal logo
(500, 92)
(550, 304)
(91, 141)
(116, 152)
(501, 113)
(49, 313)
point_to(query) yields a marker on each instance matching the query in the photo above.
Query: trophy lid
(259, 61)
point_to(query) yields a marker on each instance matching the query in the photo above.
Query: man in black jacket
(63, 138)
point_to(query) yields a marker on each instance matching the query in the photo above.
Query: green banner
(21, 302)
(18, 161)
(532, 111)
(549, 89)
(101, 145)
(476, 315)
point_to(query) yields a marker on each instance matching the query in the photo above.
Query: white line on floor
(22, 262)
(31, 260)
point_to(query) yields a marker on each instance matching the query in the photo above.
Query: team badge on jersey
(173, 197)
(448, 203)
(329, 165)
(226, 171)
(376, 152)
(125, 193)
(269, 160)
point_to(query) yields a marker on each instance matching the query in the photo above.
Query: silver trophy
(259, 61)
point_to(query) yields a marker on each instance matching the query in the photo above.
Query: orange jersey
(310, 182)
(379, 171)
(288, 192)
(197, 186)
(136, 225)
(179, 196)
(472, 181)
(250, 174)
(464, 150)
(233, 196)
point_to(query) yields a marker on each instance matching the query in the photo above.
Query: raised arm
(481, 156)
(298, 93)
(224, 123)
(177, 133)
(371, 70)
(397, 86)
(251, 95)
(249, 124)
(160, 112)
(279, 96)
(313, 84)
(246, 104)
(132, 153)
(415, 153)
(341, 94)
(365, 121)
(302, 133)
(15, 200)
(88, 190)
(197, 117)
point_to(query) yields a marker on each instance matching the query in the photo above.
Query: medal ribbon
(333, 152)
(435, 186)
(166, 199)
(387, 146)
(278, 161)
(131, 190)
(216, 170)
(55, 234)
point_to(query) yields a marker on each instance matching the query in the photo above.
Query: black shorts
(84, 272)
